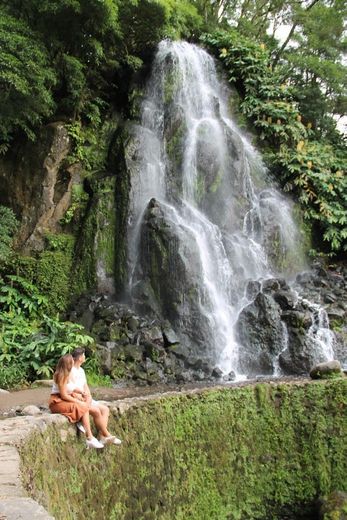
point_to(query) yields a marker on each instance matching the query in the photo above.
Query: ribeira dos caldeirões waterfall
(212, 244)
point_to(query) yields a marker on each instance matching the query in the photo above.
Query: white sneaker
(80, 426)
(94, 443)
(111, 439)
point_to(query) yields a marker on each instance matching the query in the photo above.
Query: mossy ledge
(260, 451)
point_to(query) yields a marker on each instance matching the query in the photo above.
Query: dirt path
(39, 396)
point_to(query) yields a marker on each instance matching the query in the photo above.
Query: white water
(230, 233)
(319, 332)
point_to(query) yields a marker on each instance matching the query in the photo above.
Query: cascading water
(199, 183)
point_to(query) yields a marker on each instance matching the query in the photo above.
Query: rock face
(327, 285)
(279, 330)
(261, 333)
(168, 279)
(138, 349)
(37, 182)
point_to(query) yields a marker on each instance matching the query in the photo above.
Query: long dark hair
(63, 369)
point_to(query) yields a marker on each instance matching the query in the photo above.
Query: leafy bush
(8, 226)
(12, 375)
(25, 79)
(29, 336)
(313, 170)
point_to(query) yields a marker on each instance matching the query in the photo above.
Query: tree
(26, 79)
(314, 64)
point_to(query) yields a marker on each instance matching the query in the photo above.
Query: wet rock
(297, 319)
(286, 299)
(253, 288)
(168, 268)
(230, 377)
(271, 285)
(305, 278)
(260, 332)
(133, 323)
(217, 373)
(333, 506)
(170, 337)
(324, 370)
(31, 410)
(336, 314)
(329, 298)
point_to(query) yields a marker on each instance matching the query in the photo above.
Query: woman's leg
(100, 415)
(86, 423)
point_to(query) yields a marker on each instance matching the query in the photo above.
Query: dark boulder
(260, 333)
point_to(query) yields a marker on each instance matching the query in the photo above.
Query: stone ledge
(14, 502)
(22, 508)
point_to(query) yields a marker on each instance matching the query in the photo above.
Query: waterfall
(210, 192)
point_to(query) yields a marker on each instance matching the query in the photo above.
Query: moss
(247, 453)
(106, 216)
(50, 270)
(174, 146)
(96, 245)
(172, 83)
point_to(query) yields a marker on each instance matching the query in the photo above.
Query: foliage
(94, 373)
(28, 335)
(12, 374)
(90, 144)
(26, 79)
(75, 56)
(313, 169)
(314, 63)
(8, 227)
(316, 172)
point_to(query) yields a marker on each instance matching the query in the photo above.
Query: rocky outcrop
(327, 285)
(168, 278)
(37, 182)
(141, 349)
(280, 328)
(260, 332)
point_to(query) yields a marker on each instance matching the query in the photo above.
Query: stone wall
(252, 452)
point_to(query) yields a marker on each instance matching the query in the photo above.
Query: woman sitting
(68, 401)
(98, 411)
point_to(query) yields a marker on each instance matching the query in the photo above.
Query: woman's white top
(77, 380)
(70, 387)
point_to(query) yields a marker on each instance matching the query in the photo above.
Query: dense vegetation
(77, 61)
(257, 452)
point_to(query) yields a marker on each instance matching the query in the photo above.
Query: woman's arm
(65, 396)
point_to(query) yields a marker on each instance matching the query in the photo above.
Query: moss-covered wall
(264, 451)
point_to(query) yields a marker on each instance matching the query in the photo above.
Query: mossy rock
(334, 506)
